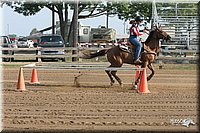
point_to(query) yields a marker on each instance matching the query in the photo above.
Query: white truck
(102, 35)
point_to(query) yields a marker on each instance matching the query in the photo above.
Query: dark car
(5, 42)
(54, 45)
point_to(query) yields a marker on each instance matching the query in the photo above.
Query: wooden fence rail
(68, 53)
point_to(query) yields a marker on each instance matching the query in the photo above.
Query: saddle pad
(124, 48)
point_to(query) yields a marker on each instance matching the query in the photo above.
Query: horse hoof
(135, 87)
(121, 85)
(112, 82)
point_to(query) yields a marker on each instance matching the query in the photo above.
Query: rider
(134, 33)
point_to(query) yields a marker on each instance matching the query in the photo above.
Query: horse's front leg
(152, 71)
(137, 81)
(144, 65)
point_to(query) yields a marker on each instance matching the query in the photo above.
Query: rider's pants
(133, 40)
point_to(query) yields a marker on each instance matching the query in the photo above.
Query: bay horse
(117, 57)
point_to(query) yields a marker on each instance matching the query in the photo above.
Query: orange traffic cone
(34, 78)
(21, 83)
(143, 87)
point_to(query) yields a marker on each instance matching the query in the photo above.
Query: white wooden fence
(175, 54)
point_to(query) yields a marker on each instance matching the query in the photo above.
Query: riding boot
(135, 59)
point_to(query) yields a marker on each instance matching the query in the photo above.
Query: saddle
(129, 48)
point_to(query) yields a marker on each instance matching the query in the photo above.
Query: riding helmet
(138, 18)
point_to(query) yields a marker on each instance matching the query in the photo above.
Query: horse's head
(160, 34)
(154, 36)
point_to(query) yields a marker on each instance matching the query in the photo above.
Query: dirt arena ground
(56, 104)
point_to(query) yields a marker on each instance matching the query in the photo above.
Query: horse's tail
(93, 55)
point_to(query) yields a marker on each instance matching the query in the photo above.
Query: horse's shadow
(92, 86)
(114, 88)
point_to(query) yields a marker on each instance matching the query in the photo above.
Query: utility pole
(75, 29)
(154, 14)
(107, 15)
(53, 20)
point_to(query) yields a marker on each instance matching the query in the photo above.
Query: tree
(86, 9)
(127, 10)
(34, 31)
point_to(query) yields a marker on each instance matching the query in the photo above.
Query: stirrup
(138, 61)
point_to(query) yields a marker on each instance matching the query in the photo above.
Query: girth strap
(150, 52)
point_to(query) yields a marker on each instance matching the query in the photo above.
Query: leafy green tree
(87, 9)
(34, 31)
(127, 10)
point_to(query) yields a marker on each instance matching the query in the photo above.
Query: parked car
(5, 42)
(25, 43)
(56, 45)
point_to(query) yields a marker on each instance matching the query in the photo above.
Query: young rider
(134, 33)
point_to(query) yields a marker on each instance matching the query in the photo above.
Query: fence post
(39, 53)
(75, 29)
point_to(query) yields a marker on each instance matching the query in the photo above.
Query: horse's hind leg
(111, 78)
(117, 78)
(137, 81)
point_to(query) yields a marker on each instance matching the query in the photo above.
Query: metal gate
(180, 20)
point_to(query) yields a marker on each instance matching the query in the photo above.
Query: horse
(117, 57)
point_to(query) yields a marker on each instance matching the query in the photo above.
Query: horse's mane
(150, 36)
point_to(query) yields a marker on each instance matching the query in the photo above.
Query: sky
(15, 23)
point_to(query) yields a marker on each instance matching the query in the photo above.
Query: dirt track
(57, 104)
